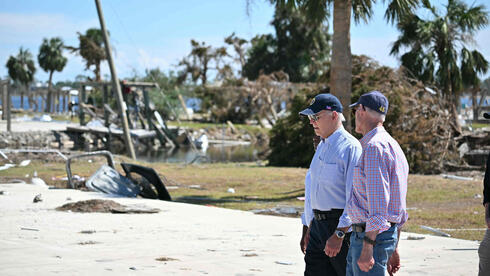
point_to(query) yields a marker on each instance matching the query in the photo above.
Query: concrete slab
(201, 240)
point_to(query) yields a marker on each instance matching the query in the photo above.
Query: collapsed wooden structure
(145, 123)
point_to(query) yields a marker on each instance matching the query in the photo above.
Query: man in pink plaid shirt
(377, 206)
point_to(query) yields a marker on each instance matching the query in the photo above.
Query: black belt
(324, 215)
(361, 227)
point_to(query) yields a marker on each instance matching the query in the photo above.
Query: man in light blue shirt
(330, 187)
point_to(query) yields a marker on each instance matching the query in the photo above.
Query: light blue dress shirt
(307, 215)
(330, 175)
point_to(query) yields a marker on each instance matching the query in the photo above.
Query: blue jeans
(385, 245)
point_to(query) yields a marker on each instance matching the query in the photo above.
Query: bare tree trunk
(22, 98)
(97, 72)
(29, 101)
(49, 101)
(341, 71)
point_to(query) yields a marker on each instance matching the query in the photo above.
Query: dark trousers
(317, 262)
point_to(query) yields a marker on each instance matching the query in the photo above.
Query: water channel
(213, 154)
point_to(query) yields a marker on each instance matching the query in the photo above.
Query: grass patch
(479, 125)
(432, 200)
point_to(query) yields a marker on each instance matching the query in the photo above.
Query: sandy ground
(188, 240)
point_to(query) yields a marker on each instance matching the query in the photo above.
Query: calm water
(16, 103)
(215, 153)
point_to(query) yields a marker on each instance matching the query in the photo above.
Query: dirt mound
(105, 206)
(93, 205)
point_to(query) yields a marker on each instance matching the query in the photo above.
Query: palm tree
(21, 69)
(91, 49)
(436, 46)
(341, 64)
(51, 59)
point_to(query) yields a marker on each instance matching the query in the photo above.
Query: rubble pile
(419, 117)
(474, 147)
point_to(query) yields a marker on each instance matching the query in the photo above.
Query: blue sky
(148, 34)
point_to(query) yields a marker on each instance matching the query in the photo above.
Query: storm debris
(37, 198)
(250, 255)
(88, 242)
(166, 259)
(29, 229)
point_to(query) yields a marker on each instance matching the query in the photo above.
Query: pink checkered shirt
(379, 188)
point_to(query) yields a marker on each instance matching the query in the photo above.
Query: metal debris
(37, 198)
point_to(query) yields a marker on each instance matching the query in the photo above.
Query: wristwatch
(340, 234)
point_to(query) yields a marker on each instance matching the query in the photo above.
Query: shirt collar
(334, 136)
(366, 138)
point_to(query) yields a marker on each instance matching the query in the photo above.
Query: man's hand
(333, 246)
(304, 239)
(366, 260)
(393, 264)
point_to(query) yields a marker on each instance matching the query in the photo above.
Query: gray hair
(375, 115)
(341, 117)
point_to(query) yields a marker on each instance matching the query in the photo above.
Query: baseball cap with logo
(323, 102)
(374, 100)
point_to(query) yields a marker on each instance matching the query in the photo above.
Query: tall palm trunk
(454, 110)
(341, 71)
(50, 95)
(453, 100)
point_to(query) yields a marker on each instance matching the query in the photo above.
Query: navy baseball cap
(323, 102)
(374, 100)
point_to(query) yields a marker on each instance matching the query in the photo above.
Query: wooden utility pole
(115, 84)
(6, 102)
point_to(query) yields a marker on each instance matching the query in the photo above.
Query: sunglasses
(314, 117)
